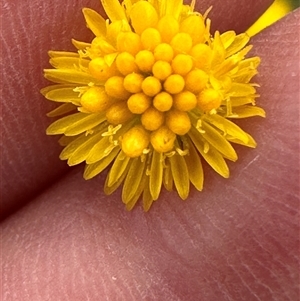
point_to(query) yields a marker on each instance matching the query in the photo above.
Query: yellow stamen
(145, 60)
(114, 88)
(100, 70)
(168, 27)
(95, 100)
(209, 99)
(202, 55)
(133, 82)
(151, 86)
(135, 141)
(164, 52)
(152, 119)
(163, 101)
(182, 64)
(196, 80)
(129, 42)
(178, 122)
(125, 63)
(138, 103)
(161, 70)
(150, 38)
(118, 113)
(194, 26)
(141, 21)
(182, 42)
(174, 84)
(185, 101)
(163, 139)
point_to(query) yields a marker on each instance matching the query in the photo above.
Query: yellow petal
(91, 170)
(64, 140)
(172, 8)
(114, 10)
(250, 143)
(244, 75)
(147, 197)
(98, 151)
(167, 177)
(110, 189)
(239, 43)
(60, 126)
(180, 175)
(218, 141)
(54, 54)
(85, 124)
(69, 63)
(80, 45)
(118, 168)
(156, 174)
(227, 127)
(62, 110)
(72, 146)
(239, 101)
(64, 76)
(240, 89)
(247, 111)
(61, 93)
(210, 155)
(218, 53)
(133, 179)
(81, 153)
(95, 22)
(130, 204)
(227, 38)
(194, 166)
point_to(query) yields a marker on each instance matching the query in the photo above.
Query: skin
(236, 240)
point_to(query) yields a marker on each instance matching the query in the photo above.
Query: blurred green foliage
(294, 3)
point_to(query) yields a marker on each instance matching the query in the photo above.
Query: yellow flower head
(153, 94)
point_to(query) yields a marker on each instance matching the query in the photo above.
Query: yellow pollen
(164, 52)
(114, 88)
(95, 100)
(194, 26)
(135, 141)
(163, 101)
(151, 86)
(161, 70)
(138, 103)
(182, 42)
(162, 139)
(202, 55)
(100, 70)
(129, 42)
(150, 38)
(209, 99)
(152, 119)
(145, 60)
(118, 113)
(178, 122)
(168, 27)
(185, 101)
(174, 84)
(133, 82)
(125, 63)
(182, 64)
(143, 15)
(196, 80)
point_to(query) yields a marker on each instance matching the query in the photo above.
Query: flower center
(160, 74)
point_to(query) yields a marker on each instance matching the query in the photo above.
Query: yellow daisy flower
(151, 96)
